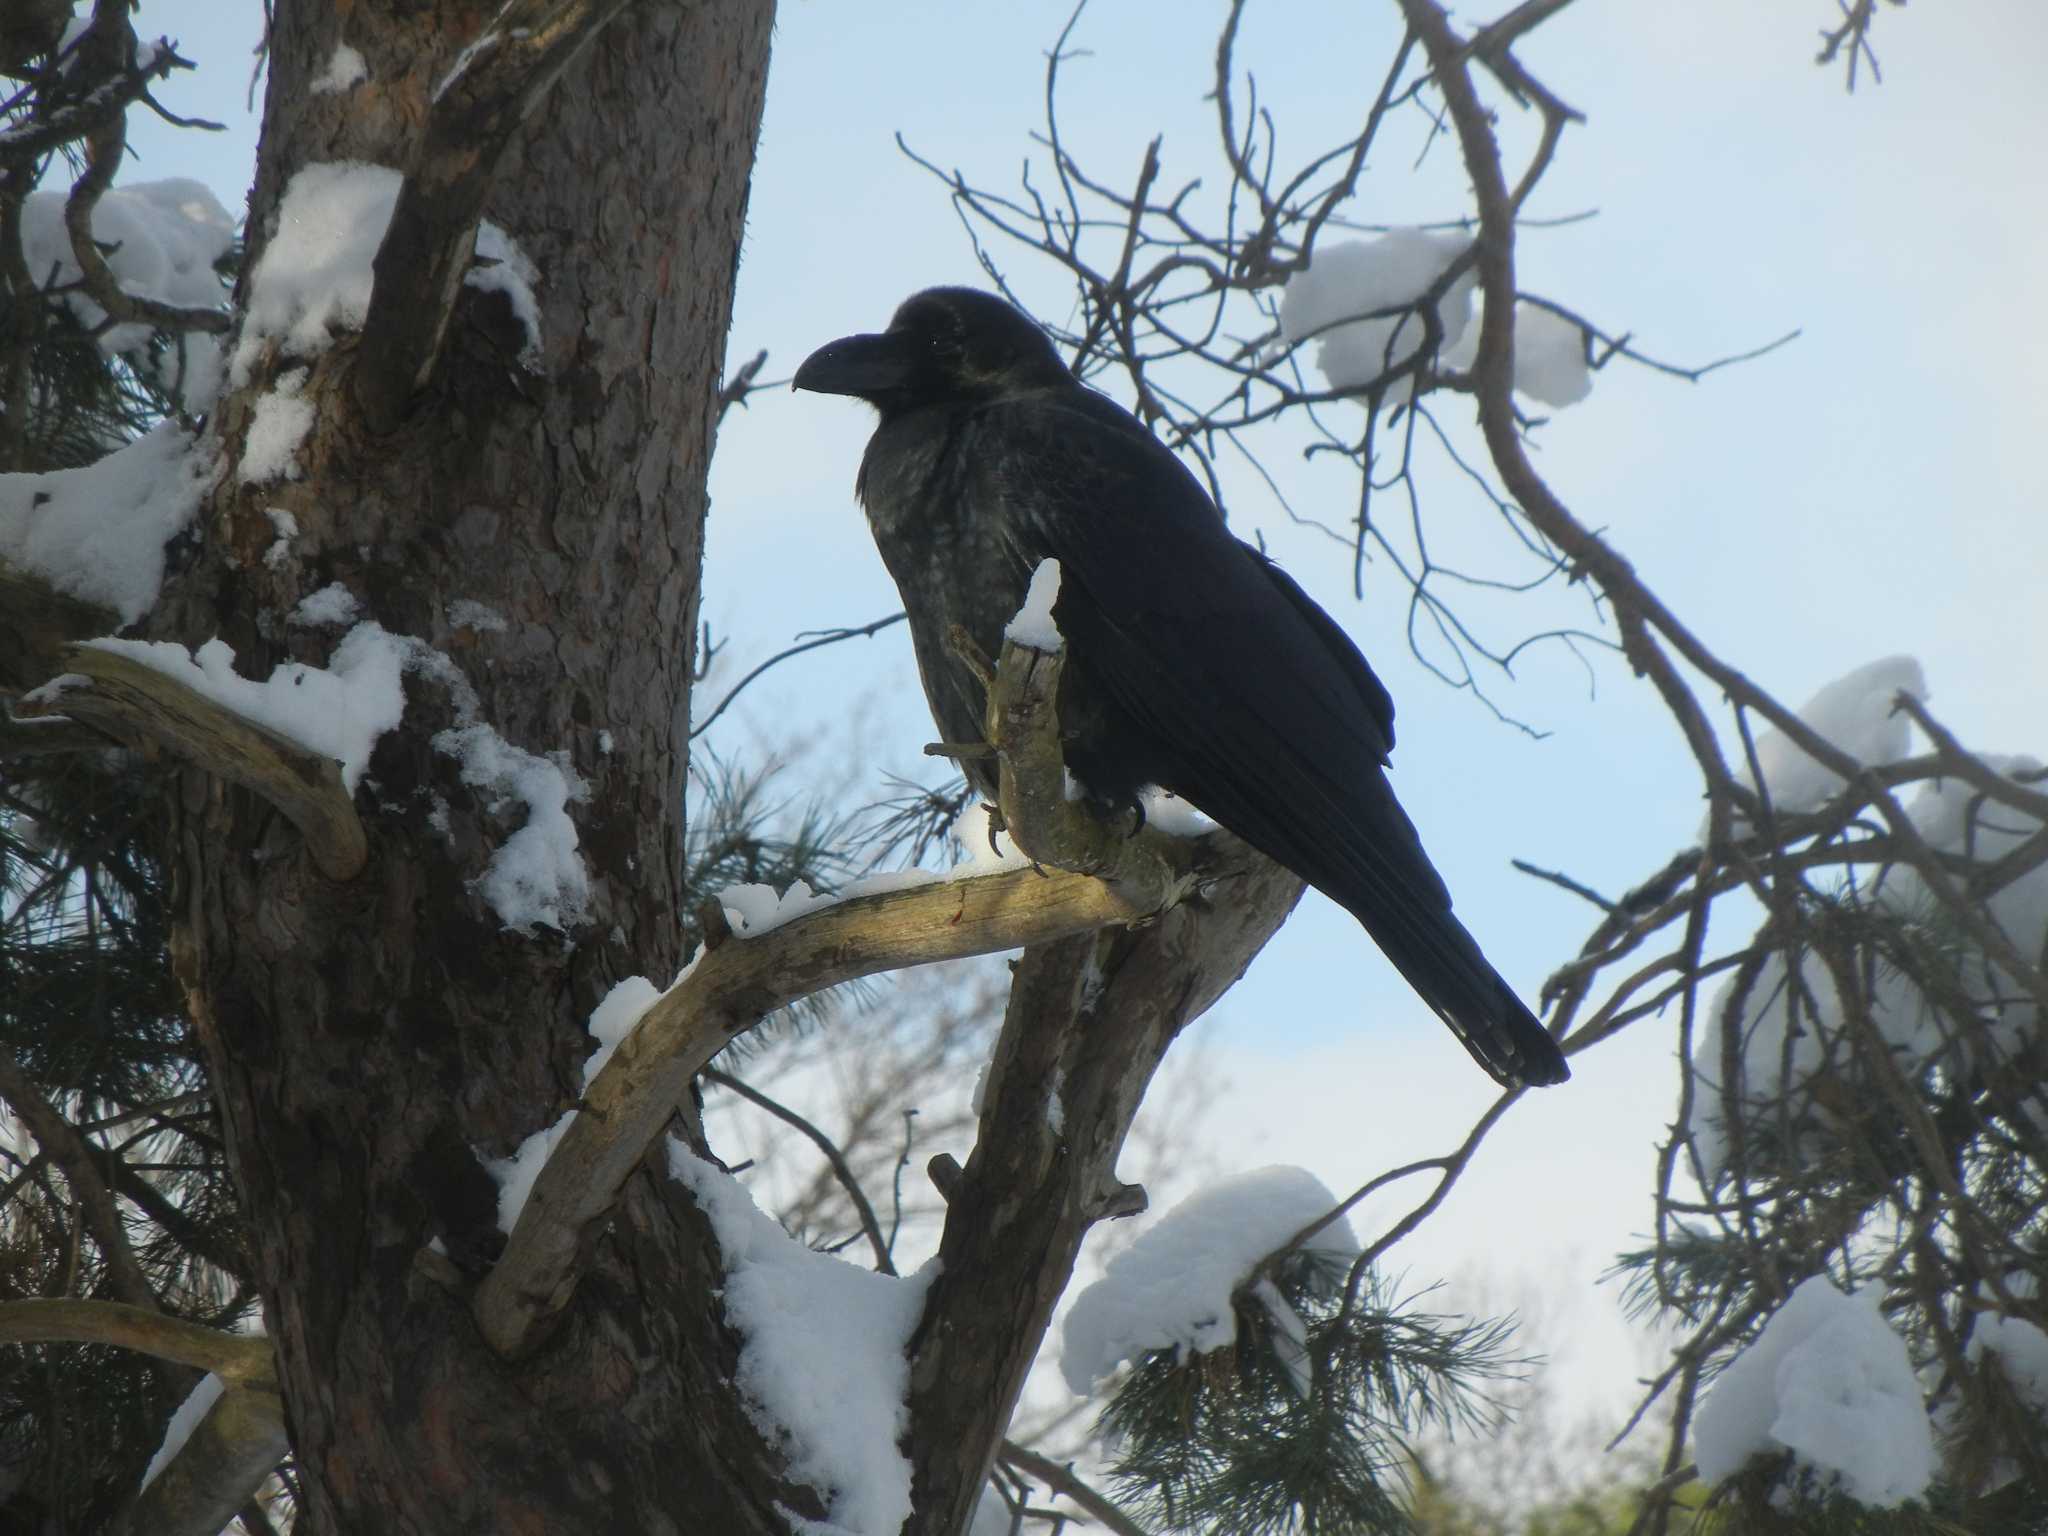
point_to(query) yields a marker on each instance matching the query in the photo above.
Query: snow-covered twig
(863, 1209)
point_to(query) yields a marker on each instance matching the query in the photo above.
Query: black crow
(1193, 662)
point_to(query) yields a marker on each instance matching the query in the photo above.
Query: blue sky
(1878, 486)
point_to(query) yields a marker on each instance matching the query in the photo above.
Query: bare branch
(231, 1451)
(825, 1144)
(812, 643)
(1060, 1478)
(99, 108)
(728, 989)
(239, 1358)
(109, 46)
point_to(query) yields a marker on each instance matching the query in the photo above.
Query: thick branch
(110, 47)
(725, 992)
(1089, 1020)
(227, 1457)
(140, 705)
(733, 985)
(239, 1359)
(493, 86)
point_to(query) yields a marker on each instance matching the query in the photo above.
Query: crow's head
(945, 345)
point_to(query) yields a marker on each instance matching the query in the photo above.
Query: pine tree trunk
(369, 1040)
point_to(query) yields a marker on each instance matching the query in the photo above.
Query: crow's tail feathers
(1442, 962)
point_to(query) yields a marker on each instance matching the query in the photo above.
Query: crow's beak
(867, 366)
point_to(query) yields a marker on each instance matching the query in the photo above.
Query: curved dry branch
(109, 48)
(237, 1358)
(1641, 615)
(493, 85)
(144, 707)
(734, 983)
(725, 992)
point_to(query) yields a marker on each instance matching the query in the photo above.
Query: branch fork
(1086, 877)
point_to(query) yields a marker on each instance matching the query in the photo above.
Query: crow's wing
(1253, 704)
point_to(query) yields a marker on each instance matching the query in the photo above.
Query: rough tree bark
(371, 1028)
(365, 1036)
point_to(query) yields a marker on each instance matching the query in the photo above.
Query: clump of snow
(822, 1366)
(610, 1022)
(183, 1422)
(55, 689)
(536, 878)
(338, 711)
(1034, 624)
(515, 1174)
(1954, 817)
(2022, 1351)
(164, 237)
(345, 68)
(1169, 813)
(466, 613)
(99, 532)
(281, 421)
(1550, 357)
(1854, 712)
(1829, 1381)
(314, 276)
(1290, 1337)
(1352, 279)
(502, 267)
(752, 910)
(287, 528)
(333, 604)
(1171, 1288)
(615, 1017)
(191, 369)
(1798, 1003)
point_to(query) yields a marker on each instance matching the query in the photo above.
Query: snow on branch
(501, 76)
(315, 277)
(97, 533)
(226, 1439)
(133, 700)
(1172, 1288)
(1829, 1381)
(823, 1352)
(1086, 878)
(221, 1445)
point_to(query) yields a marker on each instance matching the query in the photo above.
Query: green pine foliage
(1303, 1431)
